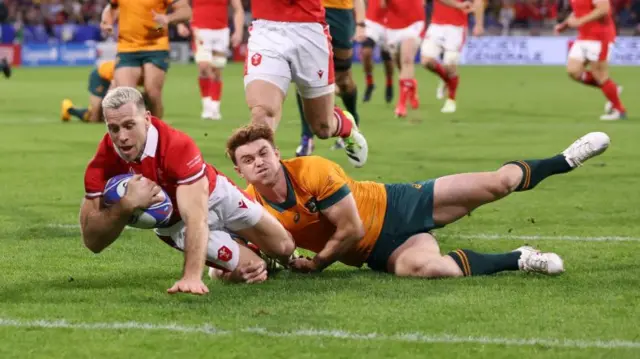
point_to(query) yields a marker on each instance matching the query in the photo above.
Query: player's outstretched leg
(306, 138)
(388, 64)
(420, 256)
(367, 64)
(457, 195)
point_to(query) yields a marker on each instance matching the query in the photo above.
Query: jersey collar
(291, 195)
(151, 145)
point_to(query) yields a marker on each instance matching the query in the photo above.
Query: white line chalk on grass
(479, 236)
(324, 333)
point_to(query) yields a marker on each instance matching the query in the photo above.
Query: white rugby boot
(614, 115)
(355, 145)
(449, 106)
(532, 260)
(588, 146)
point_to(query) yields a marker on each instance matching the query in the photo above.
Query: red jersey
(170, 158)
(288, 10)
(375, 13)
(602, 29)
(404, 13)
(210, 14)
(447, 15)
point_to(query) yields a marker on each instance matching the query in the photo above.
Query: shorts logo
(416, 186)
(256, 59)
(224, 254)
(320, 73)
(241, 204)
(296, 218)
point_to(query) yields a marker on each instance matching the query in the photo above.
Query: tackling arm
(99, 225)
(193, 205)
(181, 11)
(349, 229)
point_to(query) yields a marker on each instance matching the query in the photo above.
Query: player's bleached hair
(120, 96)
(248, 134)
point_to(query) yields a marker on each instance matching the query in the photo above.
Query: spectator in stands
(4, 12)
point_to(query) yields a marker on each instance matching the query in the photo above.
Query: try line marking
(483, 236)
(326, 333)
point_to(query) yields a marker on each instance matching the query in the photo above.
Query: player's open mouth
(126, 148)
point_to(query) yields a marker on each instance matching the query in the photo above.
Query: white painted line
(480, 236)
(332, 334)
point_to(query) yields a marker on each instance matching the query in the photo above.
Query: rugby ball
(155, 216)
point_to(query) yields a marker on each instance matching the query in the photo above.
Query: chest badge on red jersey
(256, 59)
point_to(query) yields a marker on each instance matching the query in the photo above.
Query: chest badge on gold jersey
(311, 205)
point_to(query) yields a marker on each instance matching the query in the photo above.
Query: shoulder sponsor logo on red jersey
(194, 161)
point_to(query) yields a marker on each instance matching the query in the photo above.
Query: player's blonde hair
(120, 96)
(248, 134)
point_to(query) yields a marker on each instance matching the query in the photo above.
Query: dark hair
(248, 134)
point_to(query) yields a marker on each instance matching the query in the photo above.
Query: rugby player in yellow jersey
(100, 81)
(346, 23)
(387, 226)
(143, 42)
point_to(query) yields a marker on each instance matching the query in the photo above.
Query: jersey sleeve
(95, 176)
(184, 161)
(326, 181)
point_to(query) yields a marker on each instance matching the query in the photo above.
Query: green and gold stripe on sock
(526, 175)
(466, 268)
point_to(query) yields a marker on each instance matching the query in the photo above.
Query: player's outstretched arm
(349, 230)
(99, 225)
(181, 12)
(193, 205)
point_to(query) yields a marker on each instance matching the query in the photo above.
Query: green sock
(473, 263)
(306, 130)
(350, 100)
(79, 113)
(534, 171)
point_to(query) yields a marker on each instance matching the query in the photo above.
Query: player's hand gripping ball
(155, 216)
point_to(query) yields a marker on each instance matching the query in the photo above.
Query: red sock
(452, 86)
(440, 71)
(610, 90)
(204, 86)
(389, 80)
(344, 124)
(215, 89)
(587, 79)
(369, 78)
(406, 88)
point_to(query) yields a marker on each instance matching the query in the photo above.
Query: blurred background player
(5, 67)
(143, 42)
(210, 27)
(376, 34)
(99, 83)
(405, 24)
(345, 18)
(589, 54)
(445, 38)
(290, 41)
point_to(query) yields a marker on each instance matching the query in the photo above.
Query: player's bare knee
(429, 62)
(262, 114)
(503, 184)
(204, 69)
(344, 82)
